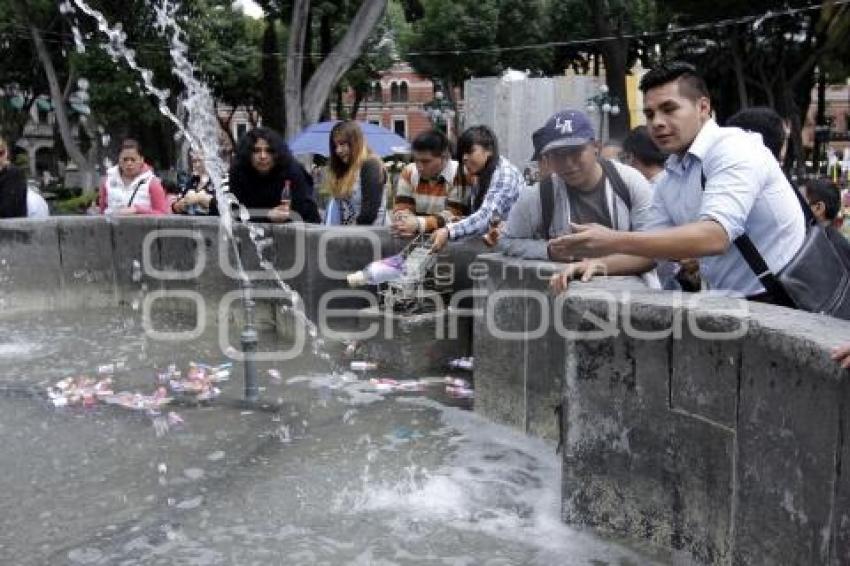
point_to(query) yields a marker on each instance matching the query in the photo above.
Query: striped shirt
(505, 185)
(437, 201)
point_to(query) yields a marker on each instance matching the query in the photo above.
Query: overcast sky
(249, 7)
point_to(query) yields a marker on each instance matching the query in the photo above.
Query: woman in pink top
(131, 187)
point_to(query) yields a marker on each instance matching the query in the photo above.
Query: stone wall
(688, 421)
(88, 262)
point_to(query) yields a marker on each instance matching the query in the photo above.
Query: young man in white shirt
(720, 184)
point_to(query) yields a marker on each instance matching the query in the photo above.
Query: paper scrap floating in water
(80, 390)
(139, 401)
(200, 380)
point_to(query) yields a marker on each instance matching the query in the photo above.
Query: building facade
(400, 101)
(837, 116)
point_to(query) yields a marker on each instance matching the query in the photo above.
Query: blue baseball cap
(567, 128)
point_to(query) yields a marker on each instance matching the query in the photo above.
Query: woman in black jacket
(13, 186)
(268, 181)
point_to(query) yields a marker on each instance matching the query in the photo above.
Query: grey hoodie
(523, 236)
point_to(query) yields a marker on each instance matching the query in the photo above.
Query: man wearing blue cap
(580, 189)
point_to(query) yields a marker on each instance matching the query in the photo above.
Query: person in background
(356, 178)
(640, 152)
(189, 200)
(766, 122)
(611, 150)
(131, 187)
(496, 187)
(267, 180)
(428, 194)
(36, 205)
(824, 199)
(13, 186)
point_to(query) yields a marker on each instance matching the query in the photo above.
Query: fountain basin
(328, 469)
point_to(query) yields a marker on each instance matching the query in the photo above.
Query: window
(400, 126)
(395, 92)
(402, 95)
(375, 94)
(375, 121)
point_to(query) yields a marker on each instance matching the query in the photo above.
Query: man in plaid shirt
(429, 194)
(497, 188)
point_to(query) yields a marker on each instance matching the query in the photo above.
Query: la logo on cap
(566, 126)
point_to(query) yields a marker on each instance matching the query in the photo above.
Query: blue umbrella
(315, 139)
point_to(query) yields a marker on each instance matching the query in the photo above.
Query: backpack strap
(617, 183)
(547, 204)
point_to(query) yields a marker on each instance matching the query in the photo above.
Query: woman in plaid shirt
(494, 192)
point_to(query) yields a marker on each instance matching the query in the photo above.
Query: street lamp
(607, 105)
(79, 99)
(440, 111)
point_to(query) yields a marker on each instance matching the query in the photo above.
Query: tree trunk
(340, 107)
(294, 59)
(738, 65)
(58, 101)
(339, 60)
(226, 122)
(359, 95)
(615, 52)
(450, 96)
(272, 102)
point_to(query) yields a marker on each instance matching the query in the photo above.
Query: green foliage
(74, 205)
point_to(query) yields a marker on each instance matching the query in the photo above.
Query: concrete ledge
(688, 421)
(520, 356)
(80, 262)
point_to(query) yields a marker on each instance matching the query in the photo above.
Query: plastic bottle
(463, 363)
(377, 272)
(492, 235)
(286, 195)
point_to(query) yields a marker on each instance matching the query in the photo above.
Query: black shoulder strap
(757, 264)
(617, 183)
(547, 204)
(136, 190)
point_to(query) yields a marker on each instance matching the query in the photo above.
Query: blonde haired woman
(356, 179)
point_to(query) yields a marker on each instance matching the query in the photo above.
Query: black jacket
(13, 193)
(263, 192)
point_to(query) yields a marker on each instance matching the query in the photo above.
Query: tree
(304, 106)
(226, 46)
(607, 25)
(30, 17)
(777, 67)
(22, 80)
(455, 40)
(379, 54)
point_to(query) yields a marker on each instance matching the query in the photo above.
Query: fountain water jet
(202, 133)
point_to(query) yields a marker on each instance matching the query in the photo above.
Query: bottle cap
(356, 279)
